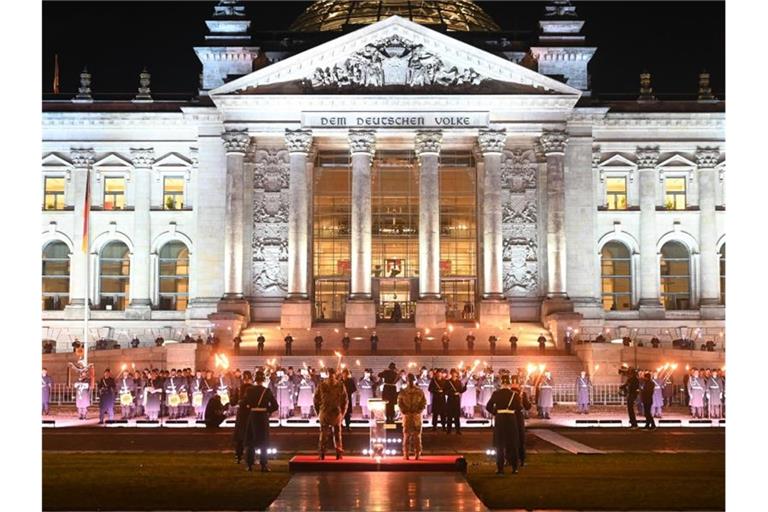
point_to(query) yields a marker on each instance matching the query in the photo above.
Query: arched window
(55, 276)
(173, 276)
(616, 274)
(114, 276)
(675, 276)
(722, 275)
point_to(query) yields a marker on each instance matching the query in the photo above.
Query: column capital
(707, 157)
(428, 141)
(236, 141)
(553, 142)
(82, 157)
(142, 158)
(362, 141)
(298, 141)
(492, 141)
(647, 157)
(597, 155)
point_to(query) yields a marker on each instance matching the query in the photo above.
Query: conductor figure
(504, 405)
(389, 393)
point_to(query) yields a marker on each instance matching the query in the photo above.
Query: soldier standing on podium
(389, 393)
(412, 403)
(505, 404)
(331, 402)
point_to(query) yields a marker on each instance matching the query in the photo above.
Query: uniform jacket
(331, 402)
(411, 400)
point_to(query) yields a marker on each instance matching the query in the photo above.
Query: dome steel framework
(338, 15)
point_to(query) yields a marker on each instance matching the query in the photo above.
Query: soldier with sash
(241, 418)
(412, 403)
(658, 395)
(306, 392)
(260, 403)
(469, 398)
(505, 404)
(47, 384)
(437, 391)
(696, 390)
(107, 391)
(172, 399)
(546, 397)
(153, 396)
(127, 392)
(582, 392)
(284, 394)
(365, 391)
(454, 388)
(422, 381)
(715, 389)
(83, 394)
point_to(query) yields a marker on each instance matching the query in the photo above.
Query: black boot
(322, 455)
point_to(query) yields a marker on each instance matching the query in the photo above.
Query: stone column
(296, 311)
(494, 309)
(430, 310)
(553, 144)
(707, 159)
(360, 311)
(141, 303)
(649, 304)
(235, 143)
(82, 159)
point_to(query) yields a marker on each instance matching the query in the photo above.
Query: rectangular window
(674, 193)
(173, 193)
(616, 193)
(114, 193)
(54, 194)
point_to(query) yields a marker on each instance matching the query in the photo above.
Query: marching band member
(153, 396)
(487, 387)
(83, 394)
(469, 398)
(715, 392)
(423, 381)
(222, 389)
(454, 388)
(546, 399)
(138, 394)
(582, 392)
(658, 395)
(241, 418)
(504, 405)
(284, 394)
(412, 403)
(198, 382)
(47, 384)
(172, 399)
(331, 402)
(365, 391)
(260, 403)
(209, 389)
(127, 395)
(107, 391)
(696, 392)
(306, 392)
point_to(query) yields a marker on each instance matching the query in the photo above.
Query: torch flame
(531, 368)
(541, 367)
(221, 360)
(597, 367)
(124, 367)
(322, 364)
(461, 364)
(450, 328)
(357, 362)
(337, 353)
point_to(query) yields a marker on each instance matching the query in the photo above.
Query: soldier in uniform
(470, 343)
(412, 403)
(487, 387)
(445, 340)
(546, 399)
(288, 342)
(423, 381)
(284, 394)
(658, 395)
(351, 388)
(138, 394)
(47, 384)
(260, 404)
(127, 389)
(715, 392)
(647, 396)
(172, 399)
(669, 391)
(492, 342)
(542, 343)
(520, 417)
(374, 342)
(260, 343)
(630, 389)
(436, 389)
(318, 343)
(83, 394)
(582, 392)
(107, 391)
(504, 405)
(345, 343)
(236, 343)
(469, 398)
(241, 418)
(389, 393)
(306, 390)
(365, 391)
(331, 402)
(153, 396)
(453, 390)
(513, 344)
(696, 390)
(417, 341)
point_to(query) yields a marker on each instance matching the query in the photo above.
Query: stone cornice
(298, 141)
(142, 158)
(82, 157)
(236, 141)
(428, 141)
(113, 119)
(707, 158)
(362, 141)
(492, 141)
(553, 142)
(647, 157)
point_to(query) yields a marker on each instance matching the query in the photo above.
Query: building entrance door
(394, 299)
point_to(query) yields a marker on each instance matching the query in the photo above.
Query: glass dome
(452, 15)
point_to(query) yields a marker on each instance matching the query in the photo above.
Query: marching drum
(126, 399)
(197, 398)
(174, 400)
(224, 394)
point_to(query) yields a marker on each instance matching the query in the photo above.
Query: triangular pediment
(172, 161)
(617, 161)
(677, 161)
(396, 53)
(112, 160)
(55, 161)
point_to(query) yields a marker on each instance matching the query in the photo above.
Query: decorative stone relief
(428, 141)
(393, 61)
(553, 141)
(362, 141)
(236, 141)
(270, 221)
(298, 141)
(491, 141)
(647, 158)
(707, 158)
(142, 157)
(519, 178)
(81, 157)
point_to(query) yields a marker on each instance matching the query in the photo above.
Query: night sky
(673, 40)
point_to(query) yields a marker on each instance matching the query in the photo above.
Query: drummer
(172, 399)
(126, 390)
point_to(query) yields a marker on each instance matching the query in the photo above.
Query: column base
(227, 325)
(200, 307)
(139, 309)
(712, 311)
(525, 309)
(558, 324)
(430, 314)
(75, 309)
(588, 307)
(296, 314)
(651, 309)
(360, 314)
(494, 314)
(552, 305)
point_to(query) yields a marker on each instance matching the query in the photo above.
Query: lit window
(674, 193)
(174, 276)
(173, 193)
(114, 276)
(55, 276)
(675, 276)
(616, 193)
(616, 276)
(54, 194)
(114, 193)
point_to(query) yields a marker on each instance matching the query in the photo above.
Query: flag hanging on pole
(56, 74)
(86, 210)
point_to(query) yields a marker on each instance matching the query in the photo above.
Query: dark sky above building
(673, 40)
